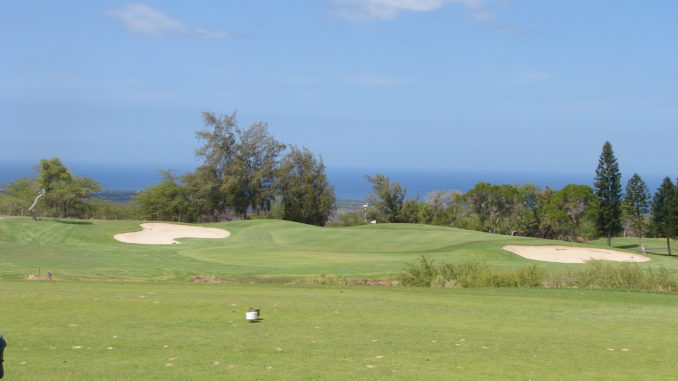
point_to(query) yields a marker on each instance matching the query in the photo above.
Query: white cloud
(142, 19)
(203, 33)
(478, 11)
(482, 15)
(364, 10)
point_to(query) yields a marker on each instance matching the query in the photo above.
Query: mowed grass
(124, 311)
(257, 250)
(181, 331)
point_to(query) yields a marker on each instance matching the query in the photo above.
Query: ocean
(349, 183)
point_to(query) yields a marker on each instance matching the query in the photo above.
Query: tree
(387, 198)
(665, 211)
(166, 200)
(494, 203)
(566, 209)
(20, 193)
(438, 200)
(64, 193)
(70, 198)
(306, 195)
(250, 177)
(608, 190)
(204, 189)
(239, 166)
(636, 205)
(411, 212)
(219, 147)
(526, 221)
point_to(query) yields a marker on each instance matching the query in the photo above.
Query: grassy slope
(92, 330)
(256, 249)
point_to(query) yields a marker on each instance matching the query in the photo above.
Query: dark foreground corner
(3, 344)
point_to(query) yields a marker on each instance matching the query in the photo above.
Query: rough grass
(425, 272)
(178, 331)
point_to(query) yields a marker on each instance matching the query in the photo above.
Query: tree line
(244, 172)
(59, 192)
(573, 213)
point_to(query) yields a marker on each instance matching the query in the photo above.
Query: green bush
(328, 280)
(420, 273)
(425, 272)
(629, 276)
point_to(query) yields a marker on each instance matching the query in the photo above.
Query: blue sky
(522, 85)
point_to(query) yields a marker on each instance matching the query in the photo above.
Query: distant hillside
(126, 196)
(349, 206)
(116, 196)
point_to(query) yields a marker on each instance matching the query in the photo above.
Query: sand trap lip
(164, 234)
(568, 254)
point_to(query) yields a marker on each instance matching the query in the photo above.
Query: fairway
(92, 330)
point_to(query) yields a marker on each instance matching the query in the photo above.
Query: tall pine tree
(636, 205)
(608, 189)
(665, 211)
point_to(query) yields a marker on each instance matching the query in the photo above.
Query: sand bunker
(164, 234)
(567, 254)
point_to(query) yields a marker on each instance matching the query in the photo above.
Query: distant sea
(349, 183)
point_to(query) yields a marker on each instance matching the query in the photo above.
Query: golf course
(115, 310)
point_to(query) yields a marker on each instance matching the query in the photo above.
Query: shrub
(532, 276)
(420, 273)
(327, 280)
(425, 272)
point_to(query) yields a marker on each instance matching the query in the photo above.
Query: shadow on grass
(661, 251)
(74, 222)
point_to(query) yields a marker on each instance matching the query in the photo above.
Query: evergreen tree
(636, 205)
(306, 195)
(239, 166)
(608, 190)
(665, 211)
(388, 199)
(216, 153)
(250, 177)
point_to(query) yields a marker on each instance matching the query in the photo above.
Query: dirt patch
(210, 279)
(347, 282)
(568, 254)
(47, 276)
(165, 234)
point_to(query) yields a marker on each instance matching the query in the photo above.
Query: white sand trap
(164, 234)
(567, 254)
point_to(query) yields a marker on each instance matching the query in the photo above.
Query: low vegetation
(425, 272)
